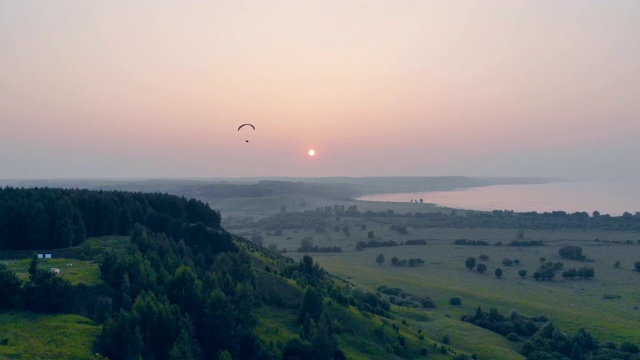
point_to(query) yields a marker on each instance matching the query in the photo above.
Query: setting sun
(311, 152)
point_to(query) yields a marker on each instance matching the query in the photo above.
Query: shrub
(572, 252)
(481, 268)
(522, 273)
(455, 301)
(513, 337)
(470, 263)
(507, 262)
(629, 347)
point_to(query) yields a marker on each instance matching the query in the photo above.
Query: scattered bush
(526, 243)
(470, 242)
(470, 263)
(401, 229)
(415, 242)
(361, 245)
(572, 252)
(629, 347)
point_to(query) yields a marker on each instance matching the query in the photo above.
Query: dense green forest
(44, 218)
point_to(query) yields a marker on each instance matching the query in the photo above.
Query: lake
(607, 197)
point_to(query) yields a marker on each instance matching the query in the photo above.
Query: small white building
(47, 256)
(40, 256)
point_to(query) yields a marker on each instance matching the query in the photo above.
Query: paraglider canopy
(247, 124)
(243, 125)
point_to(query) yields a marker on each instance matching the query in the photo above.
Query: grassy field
(607, 305)
(572, 304)
(71, 268)
(76, 271)
(47, 337)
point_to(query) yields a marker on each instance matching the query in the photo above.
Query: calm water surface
(610, 197)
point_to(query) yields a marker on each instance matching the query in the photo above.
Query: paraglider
(243, 125)
(247, 124)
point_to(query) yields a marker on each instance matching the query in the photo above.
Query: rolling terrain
(365, 321)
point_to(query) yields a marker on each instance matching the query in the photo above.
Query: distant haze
(119, 89)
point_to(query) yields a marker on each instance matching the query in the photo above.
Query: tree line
(453, 219)
(46, 218)
(544, 341)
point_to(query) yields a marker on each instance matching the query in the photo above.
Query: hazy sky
(116, 89)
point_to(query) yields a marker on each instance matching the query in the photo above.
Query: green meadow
(38, 336)
(68, 261)
(571, 304)
(607, 305)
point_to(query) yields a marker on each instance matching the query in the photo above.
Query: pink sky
(481, 88)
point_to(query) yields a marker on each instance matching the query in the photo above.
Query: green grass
(570, 304)
(73, 270)
(67, 260)
(34, 336)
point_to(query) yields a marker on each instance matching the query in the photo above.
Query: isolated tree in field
(586, 272)
(617, 264)
(370, 235)
(380, 259)
(516, 262)
(498, 273)
(522, 273)
(394, 261)
(572, 252)
(481, 268)
(470, 263)
(421, 200)
(507, 262)
(542, 260)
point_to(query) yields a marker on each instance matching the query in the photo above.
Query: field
(35, 336)
(607, 305)
(66, 260)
